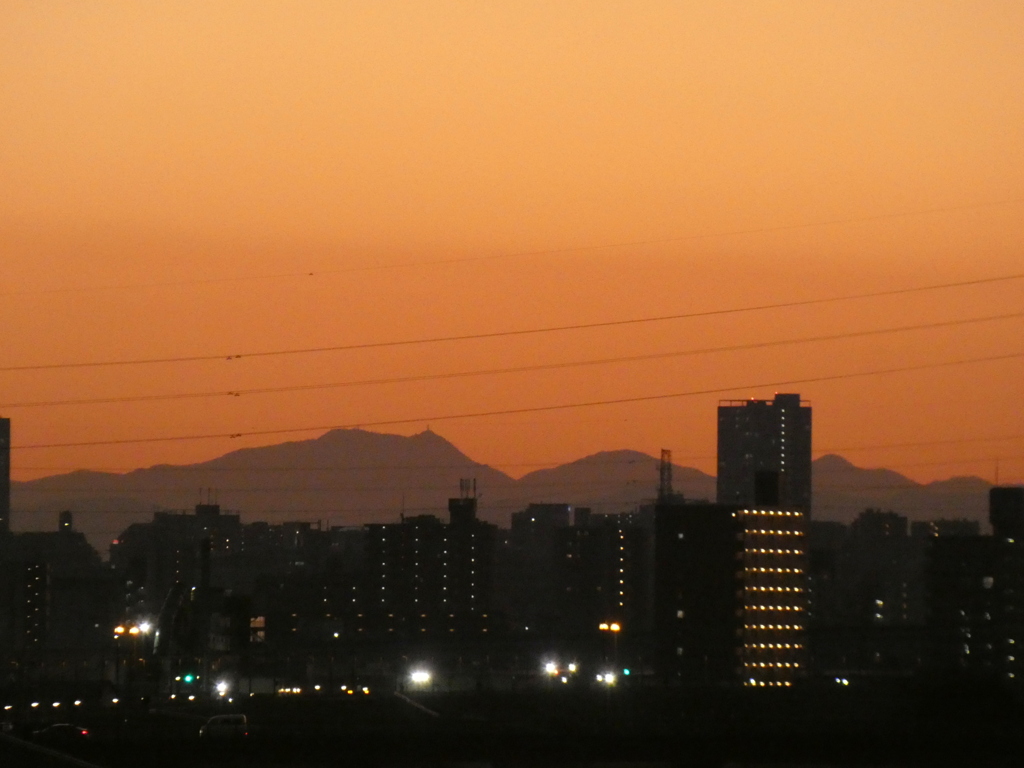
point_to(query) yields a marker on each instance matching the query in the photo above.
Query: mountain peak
(832, 461)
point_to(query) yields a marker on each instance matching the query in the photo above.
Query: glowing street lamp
(614, 628)
(551, 668)
(420, 677)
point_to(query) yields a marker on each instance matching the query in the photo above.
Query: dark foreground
(906, 724)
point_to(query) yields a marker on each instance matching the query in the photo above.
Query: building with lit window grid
(765, 441)
(730, 598)
(774, 596)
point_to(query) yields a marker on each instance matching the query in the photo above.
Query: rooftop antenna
(665, 475)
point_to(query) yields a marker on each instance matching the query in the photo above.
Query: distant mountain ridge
(351, 477)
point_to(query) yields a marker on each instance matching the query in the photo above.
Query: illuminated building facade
(425, 578)
(31, 604)
(765, 444)
(603, 574)
(730, 596)
(468, 563)
(774, 596)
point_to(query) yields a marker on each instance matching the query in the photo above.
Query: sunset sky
(211, 179)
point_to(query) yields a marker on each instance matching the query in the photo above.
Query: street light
(614, 627)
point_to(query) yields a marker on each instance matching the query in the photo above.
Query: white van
(225, 727)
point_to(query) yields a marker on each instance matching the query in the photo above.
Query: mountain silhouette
(841, 491)
(353, 476)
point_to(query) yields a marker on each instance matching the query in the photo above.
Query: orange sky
(169, 172)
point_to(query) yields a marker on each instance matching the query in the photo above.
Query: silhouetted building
(27, 591)
(405, 576)
(730, 593)
(881, 574)
(603, 575)
(764, 449)
(155, 556)
(5, 476)
(930, 529)
(876, 524)
(976, 615)
(56, 593)
(869, 611)
(1006, 512)
(531, 559)
(423, 578)
(873, 589)
(470, 547)
(976, 595)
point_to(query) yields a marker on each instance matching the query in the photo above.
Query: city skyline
(216, 190)
(341, 342)
(356, 476)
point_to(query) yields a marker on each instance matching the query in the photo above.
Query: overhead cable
(512, 333)
(533, 409)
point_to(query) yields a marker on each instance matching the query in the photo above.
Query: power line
(516, 369)
(533, 409)
(524, 254)
(517, 332)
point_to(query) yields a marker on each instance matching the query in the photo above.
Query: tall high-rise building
(1006, 511)
(764, 452)
(5, 476)
(730, 593)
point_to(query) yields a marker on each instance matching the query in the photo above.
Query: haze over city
(589, 383)
(189, 181)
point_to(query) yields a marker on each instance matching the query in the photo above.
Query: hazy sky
(171, 174)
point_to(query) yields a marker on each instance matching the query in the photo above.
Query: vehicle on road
(61, 733)
(221, 727)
